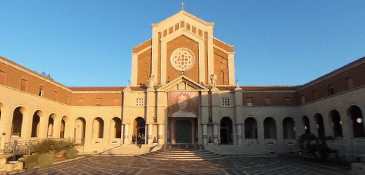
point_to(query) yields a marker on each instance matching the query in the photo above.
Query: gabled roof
(183, 78)
(183, 13)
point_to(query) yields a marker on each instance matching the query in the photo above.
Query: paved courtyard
(230, 165)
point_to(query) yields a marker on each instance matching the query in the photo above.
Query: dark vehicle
(310, 144)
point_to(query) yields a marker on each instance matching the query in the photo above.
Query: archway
(250, 128)
(355, 114)
(80, 127)
(50, 125)
(306, 124)
(288, 128)
(336, 123)
(116, 128)
(226, 131)
(98, 128)
(139, 127)
(269, 128)
(183, 131)
(36, 124)
(16, 127)
(320, 127)
(63, 127)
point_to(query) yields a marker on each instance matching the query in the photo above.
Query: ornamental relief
(182, 59)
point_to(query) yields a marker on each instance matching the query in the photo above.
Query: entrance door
(183, 131)
(226, 131)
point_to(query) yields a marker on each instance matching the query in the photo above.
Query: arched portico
(288, 128)
(355, 115)
(63, 126)
(98, 128)
(36, 123)
(115, 128)
(80, 128)
(306, 124)
(16, 127)
(51, 119)
(250, 128)
(320, 127)
(269, 128)
(226, 131)
(336, 123)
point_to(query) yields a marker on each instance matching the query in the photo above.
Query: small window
(287, 100)
(303, 99)
(315, 94)
(81, 101)
(24, 85)
(268, 100)
(349, 83)
(67, 99)
(98, 102)
(40, 91)
(116, 102)
(139, 102)
(225, 101)
(2, 77)
(249, 101)
(331, 90)
(55, 95)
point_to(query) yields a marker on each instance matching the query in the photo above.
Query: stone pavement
(231, 165)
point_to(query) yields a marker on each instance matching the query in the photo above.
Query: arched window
(269, 128)
(336, 123)
(355, 115)
(250, 128)
(288, 128)
(319, 119)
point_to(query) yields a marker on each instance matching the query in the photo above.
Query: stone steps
(131, 150)
(181, 154)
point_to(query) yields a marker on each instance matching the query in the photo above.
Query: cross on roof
(182, 5)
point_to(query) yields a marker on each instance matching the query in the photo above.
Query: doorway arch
(139, 127)
(183, 131)
(226, 131)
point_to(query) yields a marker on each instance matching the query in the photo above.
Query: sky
(89, 42)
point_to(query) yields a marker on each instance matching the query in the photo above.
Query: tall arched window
(36, 124)
(98, 128)
(116, 128)
(319, 119)
(16, 127)
(306, 124)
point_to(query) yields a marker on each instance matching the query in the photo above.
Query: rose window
(182, 59)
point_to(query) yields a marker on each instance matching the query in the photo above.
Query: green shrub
(71, 154)
(49, 145)
(46, 160)
(31, 161)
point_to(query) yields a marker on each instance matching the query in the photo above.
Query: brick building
(183, 91)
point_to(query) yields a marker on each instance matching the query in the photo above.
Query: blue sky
(89, 43)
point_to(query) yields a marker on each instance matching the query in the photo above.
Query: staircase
(131, 150)
(182, 152)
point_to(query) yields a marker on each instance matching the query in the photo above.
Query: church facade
(183, 90)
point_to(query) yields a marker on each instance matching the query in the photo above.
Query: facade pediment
(183, 15)
(182, 83)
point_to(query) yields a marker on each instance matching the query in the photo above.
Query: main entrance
(182, 131)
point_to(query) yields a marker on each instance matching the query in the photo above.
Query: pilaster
(134, 69)
(231, 69)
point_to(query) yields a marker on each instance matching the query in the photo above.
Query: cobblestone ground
(230, 165)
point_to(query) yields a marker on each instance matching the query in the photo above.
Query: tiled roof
(96, 88)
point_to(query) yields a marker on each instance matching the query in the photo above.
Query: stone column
(239, 134)
(26, 125)
(260, 132)
(125, 134)
(122, 134)
(205, 134)
(149, 134)
(215, 133)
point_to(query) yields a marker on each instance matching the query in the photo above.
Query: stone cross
(182, 5)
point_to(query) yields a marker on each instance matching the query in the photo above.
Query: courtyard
(245, 165)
